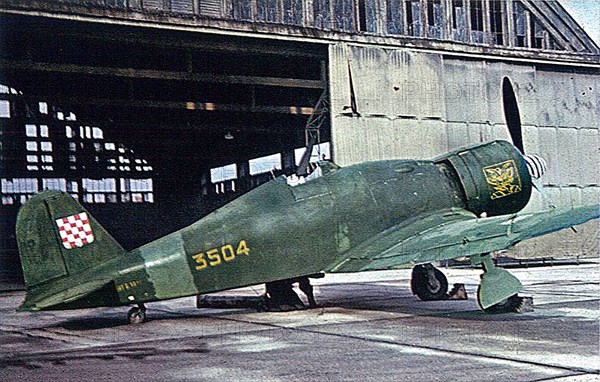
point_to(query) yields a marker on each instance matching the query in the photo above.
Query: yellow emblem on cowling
(503, 178)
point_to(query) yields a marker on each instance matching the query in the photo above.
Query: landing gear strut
(498, 290)
(137, 314)
(429, 283)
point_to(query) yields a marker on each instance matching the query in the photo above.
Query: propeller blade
(535, 164)
(512, 115)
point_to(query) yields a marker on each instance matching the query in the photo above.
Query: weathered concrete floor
(369, 328)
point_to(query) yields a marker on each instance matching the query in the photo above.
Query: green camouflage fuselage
(278, 231)
(273, 232)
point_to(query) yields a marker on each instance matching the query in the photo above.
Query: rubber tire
(420, 286)
(136, 315)
(509, 305)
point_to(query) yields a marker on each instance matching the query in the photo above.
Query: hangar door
(150, 129)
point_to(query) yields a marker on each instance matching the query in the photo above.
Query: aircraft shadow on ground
(400, 300)
(93, 323)
(356, 296)
(112, 319)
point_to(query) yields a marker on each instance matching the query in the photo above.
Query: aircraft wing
(456, 233)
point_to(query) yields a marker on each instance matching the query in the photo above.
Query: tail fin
(58, 238)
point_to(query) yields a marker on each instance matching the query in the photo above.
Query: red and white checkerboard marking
(75, 230)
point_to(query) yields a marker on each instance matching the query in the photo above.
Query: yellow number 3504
(215, 256)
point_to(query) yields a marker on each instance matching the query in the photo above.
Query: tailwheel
(511, 304)
(429, 283)
(137, 314)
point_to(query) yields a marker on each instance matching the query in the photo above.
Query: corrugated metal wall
(182, 6)
(420, 105)
(211, 8)
(153, 5)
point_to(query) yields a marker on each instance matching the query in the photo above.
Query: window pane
(97, 133)
(46, 146)
(4, 109)
(31, 146)
(265, 164)
(223, 173)
(44, 131)
(31, 130)
(319, 152)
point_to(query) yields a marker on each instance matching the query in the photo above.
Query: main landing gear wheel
(511, 304)
(137, 315)
(429, 283)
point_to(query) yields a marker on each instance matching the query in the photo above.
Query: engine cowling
(493, 176)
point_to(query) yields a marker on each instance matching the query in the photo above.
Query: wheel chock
(458, 292)
(526, 305)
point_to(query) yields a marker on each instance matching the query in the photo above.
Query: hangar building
(153, 113)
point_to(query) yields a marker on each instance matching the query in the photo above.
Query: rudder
(58, 238)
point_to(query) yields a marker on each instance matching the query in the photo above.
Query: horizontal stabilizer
(72, 295)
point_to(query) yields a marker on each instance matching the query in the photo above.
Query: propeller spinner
(536, 165)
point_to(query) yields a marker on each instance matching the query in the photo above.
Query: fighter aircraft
(376, 215)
